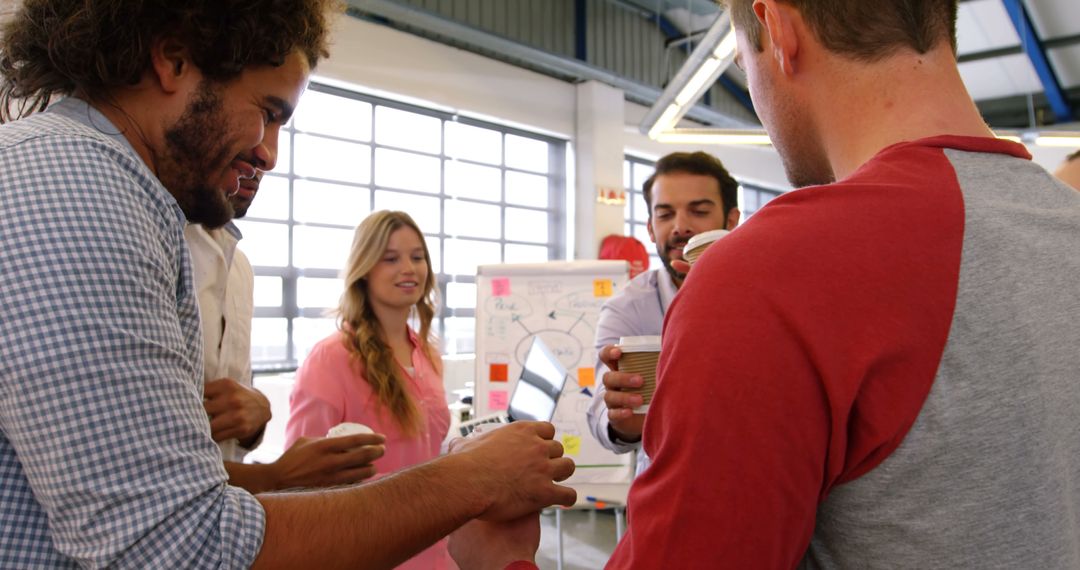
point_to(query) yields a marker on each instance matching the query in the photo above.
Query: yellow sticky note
(571, 444)
(602, 288)
(586, 377)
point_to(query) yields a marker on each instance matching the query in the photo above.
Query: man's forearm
(255, 478)
(375, 525)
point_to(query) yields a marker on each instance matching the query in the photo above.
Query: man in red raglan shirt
(896, 385)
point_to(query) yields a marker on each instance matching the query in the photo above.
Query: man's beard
(240, 211)
(196, 149)
(665, 259)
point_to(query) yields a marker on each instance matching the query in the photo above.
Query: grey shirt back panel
(989, 475)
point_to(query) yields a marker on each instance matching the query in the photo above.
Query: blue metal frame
(666, 27)
(581, 51)
(1036, 52)
(736, 90)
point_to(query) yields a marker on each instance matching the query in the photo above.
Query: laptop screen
(540, 385)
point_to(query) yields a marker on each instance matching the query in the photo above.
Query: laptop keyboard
(471, 425)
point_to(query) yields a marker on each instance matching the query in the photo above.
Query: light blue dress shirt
(637, 310)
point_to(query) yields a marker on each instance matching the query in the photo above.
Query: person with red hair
(628, 249)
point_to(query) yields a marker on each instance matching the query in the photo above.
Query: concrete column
(598, 160)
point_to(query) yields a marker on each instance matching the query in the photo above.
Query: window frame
(290, 274)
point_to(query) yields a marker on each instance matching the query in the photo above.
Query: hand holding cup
(639, 357)
(621, 397)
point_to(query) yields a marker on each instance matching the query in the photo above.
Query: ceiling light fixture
(710, 58)
(703, 66)
(714, 136)
(1057, 138)
(1064, 139)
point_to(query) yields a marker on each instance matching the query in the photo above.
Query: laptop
(536, 394)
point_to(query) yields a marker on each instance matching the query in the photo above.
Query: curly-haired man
(159, 110)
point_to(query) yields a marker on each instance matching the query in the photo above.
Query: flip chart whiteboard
(558, 301)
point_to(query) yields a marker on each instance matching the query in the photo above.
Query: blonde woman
(375, 369)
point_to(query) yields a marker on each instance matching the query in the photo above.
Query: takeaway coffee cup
(348, 428)
(697, 244)
(639, 356)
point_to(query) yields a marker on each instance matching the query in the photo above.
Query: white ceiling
(984, 25)
(995, 66)
(1054, 18)
(1000, 77)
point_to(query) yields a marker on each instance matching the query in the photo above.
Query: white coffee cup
(348, 428)
(699, 243)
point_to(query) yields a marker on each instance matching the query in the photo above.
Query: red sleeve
(796, 357)
(522, 565)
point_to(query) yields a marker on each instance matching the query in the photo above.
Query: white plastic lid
(639, 343)
(348, 428)
(704, 238)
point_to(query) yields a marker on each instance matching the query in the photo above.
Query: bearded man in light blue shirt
(688, 193)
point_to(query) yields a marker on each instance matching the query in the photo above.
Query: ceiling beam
(581, 30)
(422, 22)
(1036, 52)
(676, 39)
(1015, 111)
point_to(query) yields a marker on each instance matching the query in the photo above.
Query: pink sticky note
(498, 400)
(500, 287)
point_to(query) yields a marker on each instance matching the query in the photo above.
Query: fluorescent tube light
(715, 136)
(727, 46)
(703, 66)
(666, 121)
(1063, 139)
(702, 79)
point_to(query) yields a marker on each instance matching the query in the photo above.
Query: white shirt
(637, 310)
(225, 286)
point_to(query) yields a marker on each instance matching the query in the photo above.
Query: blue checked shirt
(105, 451)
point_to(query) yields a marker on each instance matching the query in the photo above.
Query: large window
(635, 172)
(753, 198)
(481, 193)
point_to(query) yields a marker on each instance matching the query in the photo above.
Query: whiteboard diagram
(560, 303)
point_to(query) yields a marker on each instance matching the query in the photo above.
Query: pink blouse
(329, 390)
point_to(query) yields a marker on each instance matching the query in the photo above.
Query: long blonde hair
(361, 328)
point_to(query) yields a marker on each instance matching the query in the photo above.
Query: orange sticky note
(500, 287)
(586, 377)
(498, 400)
(602, 288)
(499, 372)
